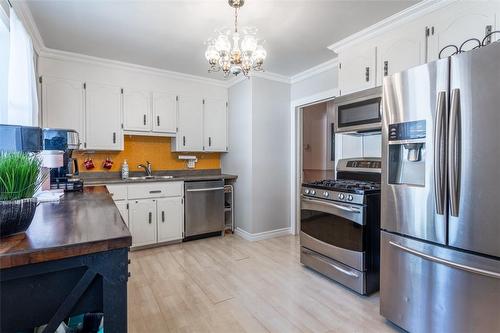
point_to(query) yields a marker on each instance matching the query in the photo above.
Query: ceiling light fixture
(238, 57)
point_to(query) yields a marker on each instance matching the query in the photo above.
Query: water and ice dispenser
(407, 153)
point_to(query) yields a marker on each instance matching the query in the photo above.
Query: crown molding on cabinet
(418, 10)
(71, 56)
(318, 69)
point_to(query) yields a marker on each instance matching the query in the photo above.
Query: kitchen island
(73, 259)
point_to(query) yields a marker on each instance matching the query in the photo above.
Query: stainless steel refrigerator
(440, 242)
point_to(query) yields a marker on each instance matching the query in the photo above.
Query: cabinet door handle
(144, 119)
(158, 120)
(163, 216)
(183, 140)
(150, 217)
(114, 137)
(210, 141)
(487, 33)
(367, 74)
(155, 191)
(386, 68)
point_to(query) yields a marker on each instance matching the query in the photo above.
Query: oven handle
(331, 204)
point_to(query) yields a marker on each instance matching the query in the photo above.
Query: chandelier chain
(236, 19)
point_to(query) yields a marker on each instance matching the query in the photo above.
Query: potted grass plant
(20, 178)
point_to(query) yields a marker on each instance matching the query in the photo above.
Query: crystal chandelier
(240, 57)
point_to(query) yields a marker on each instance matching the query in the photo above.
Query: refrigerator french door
(440, 250)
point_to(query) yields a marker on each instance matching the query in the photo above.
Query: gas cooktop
(345, 185)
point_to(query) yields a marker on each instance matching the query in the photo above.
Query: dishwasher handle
(205, 189)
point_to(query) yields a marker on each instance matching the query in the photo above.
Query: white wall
(271, 154)
(312, 85)
(239, 158)
(78, 68)
(259, 136)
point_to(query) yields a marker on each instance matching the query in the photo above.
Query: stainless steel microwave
(359, 112)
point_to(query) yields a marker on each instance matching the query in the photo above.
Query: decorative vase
(16, 215)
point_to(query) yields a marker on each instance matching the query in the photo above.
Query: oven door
(335, 230)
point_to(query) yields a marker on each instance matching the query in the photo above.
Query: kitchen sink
(139, 178)
(149, 177)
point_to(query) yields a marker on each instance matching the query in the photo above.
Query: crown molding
(418, 10)
(318, 69)
(272, 76)
(24, 13)
(263, 75)
(235, 80)
(77, 57)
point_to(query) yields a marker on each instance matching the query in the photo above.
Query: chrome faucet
(147, 168)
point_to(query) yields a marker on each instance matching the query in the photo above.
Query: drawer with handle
(155, 190)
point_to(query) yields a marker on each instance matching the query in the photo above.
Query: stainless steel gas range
(340, 222)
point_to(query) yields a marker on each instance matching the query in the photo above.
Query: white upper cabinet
(413, 42)
(136, 110)
(458, 22)
(357, 68)
(164, 112)
(63, 105)
(190, 123)
(400, 51)
(103, 117)
(215, 125)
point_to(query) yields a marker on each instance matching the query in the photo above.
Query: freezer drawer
(429, 288)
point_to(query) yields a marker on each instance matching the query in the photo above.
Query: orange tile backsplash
(139, 149)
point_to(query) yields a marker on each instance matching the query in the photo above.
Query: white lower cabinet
(153, 212)
(142, 222)
(170, 213)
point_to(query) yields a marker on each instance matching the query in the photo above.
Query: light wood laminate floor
(227, 284)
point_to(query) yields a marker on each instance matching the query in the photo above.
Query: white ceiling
(170, 34)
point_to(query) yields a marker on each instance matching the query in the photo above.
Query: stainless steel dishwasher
(204, 208)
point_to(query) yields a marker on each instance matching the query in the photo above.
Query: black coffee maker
(67, 141)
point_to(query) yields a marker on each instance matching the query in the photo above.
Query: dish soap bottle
(125, 170)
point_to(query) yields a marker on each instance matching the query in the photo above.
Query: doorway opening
(318, 142)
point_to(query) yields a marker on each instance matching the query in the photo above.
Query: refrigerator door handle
(454, 153)
(440, 153)
(446, 262)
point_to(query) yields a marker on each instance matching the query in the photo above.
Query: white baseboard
(262, 235)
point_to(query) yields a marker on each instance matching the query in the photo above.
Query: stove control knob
(341, 196)
(326, 194)
(307, 191)
(349, 197)
(313, 192)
